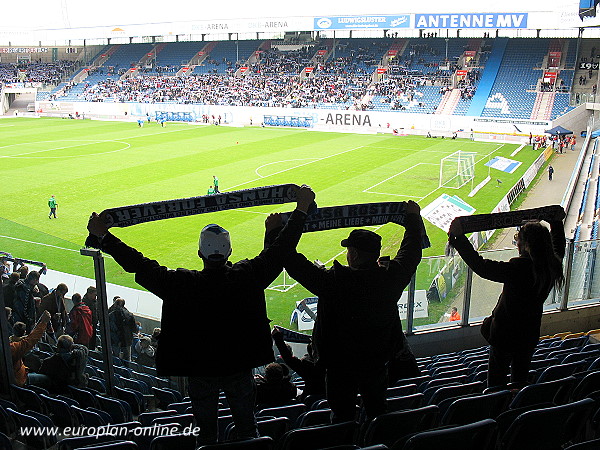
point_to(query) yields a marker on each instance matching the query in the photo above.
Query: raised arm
(410, 252)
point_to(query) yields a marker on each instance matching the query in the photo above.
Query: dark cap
(364, 240)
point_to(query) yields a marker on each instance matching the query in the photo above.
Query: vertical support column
(568, 270)
(410, 305)
(103, 316)
(464, 321)
(7, 376)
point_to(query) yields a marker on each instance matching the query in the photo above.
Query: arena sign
(354, 22)
(492, 20)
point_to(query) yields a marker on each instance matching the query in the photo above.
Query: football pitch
(94, 165)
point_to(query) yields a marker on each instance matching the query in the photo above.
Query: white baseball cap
(214, 243)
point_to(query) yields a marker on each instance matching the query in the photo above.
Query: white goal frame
(463, 169)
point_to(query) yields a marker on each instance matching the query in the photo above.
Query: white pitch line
(517, 150)
(295, 167)
(20, 155)
(39, 243)
(399, 173)
(277, 162)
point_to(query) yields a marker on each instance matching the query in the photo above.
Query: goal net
(457, 169)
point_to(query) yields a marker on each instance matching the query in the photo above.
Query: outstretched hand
(412, 207)
(97, 225)
(456, 228)
(273, 221)
(305, 197)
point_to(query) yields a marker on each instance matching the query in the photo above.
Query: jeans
(240, 390)
(500, 360)
(343, 385)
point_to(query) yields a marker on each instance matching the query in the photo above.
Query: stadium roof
(73, 19)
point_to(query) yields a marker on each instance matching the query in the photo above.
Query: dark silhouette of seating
(547, 428)
(319, 437)
(474, 436)
(391, 427)
(556, 392)
(73, 443)
(314, 417)
(261, 443)
(478, 407)
(405, 402)
(292, 412)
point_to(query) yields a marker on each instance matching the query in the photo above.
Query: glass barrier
(439, 282)
(485, 293)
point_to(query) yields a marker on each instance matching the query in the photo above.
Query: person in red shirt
(80, 321)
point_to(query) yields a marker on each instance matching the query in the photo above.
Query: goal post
(457, 169)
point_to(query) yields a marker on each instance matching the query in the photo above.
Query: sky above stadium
(53, 14)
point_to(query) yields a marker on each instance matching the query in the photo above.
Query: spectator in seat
(312, 374)
(18, 349)
(66, 366)
(145, 352)
(513, 329)
(194, 305)
(357, 328)
(80, 321)
(122, 327)
(274, 388)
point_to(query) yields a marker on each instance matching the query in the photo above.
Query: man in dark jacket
(122, 326)
(67, 366)
(54, 303)
(358, 328)
(194, 305)
(26, 297)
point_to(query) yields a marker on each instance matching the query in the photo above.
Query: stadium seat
(548, 428)
(587, 385)
(399, 391)
(292, 412)
(115, 408)
(146, 418)
(5, 443)
(587, 445)
(174, 441)
(85, 398)
(30, 399)
(319, 436)
(89, 418)
(445, 392)
(405, 402)
(261, 443)
(117, 445)
(73, 443)
(314, 417)
(560, 371)
(556, 392)
(182, 419)
(164, 397)
(474, 436)
(388, 428)
(274, 428)
(475, 408)
(31, 440)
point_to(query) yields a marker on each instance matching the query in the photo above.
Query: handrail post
(102, 303)
(410, 305)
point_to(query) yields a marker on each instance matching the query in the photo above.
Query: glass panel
(440, 286)
(485, 293)
(585, 275)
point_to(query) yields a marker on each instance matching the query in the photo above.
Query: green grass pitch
(94, 165)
